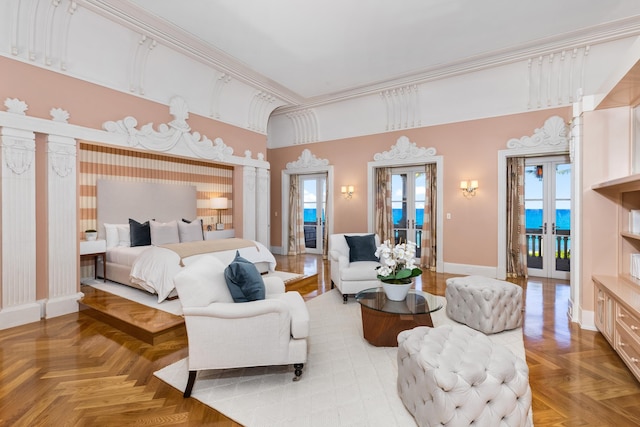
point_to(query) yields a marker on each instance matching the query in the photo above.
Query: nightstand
(219, 234)
(95, 249)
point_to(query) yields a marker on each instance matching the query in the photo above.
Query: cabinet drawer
(629, 321)
(629, 350)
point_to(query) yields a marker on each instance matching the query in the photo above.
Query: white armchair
(224, 334)
(351, 277)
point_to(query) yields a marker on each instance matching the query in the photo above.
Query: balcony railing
(535, 251)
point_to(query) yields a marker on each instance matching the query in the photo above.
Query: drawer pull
(621, 316)
(634, 360)
(634, 328)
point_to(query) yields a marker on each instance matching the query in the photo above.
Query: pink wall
(91, 105)
(470, 151)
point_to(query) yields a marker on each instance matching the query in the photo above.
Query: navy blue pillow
(140, 233)
(362, 248)
(244, 280)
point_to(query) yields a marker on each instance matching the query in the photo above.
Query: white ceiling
(322, 49)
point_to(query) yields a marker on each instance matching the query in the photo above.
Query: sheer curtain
(428, 244)
(516, 232)
(325, 225)
(383, 211)
(296, 218)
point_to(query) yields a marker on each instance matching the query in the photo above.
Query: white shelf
(219, 234)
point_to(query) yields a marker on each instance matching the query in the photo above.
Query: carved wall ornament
(554, 133)
(18, 154)
(405, 149)
(307, 161)
(15, 106)
(62, 158)
(170, 135)
(59, 115)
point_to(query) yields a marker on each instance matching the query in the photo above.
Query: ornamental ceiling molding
(553, 135)
(171, 135)
(405, 150)
(307, 161)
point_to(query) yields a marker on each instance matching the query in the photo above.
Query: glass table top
(417, 302)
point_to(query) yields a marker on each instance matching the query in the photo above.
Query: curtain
(383, 212)
(516, 231)
(296, 218)
(428, 243)
(325, 224)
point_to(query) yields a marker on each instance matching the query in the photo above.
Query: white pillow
(163, 233)
(124, 236)
(111, 234)
(190, 232)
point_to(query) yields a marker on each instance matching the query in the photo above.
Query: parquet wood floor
(74, 370)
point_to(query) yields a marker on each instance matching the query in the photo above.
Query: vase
(396, 291)
(90, 235)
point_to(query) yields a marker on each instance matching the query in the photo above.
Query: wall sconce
(219, 203)
(347, 191)
(469, 188)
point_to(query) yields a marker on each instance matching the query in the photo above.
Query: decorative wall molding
(403, 107)
(62, 157)
(64, 43)
(554, 79)
(259, 110)
(219, 82)
(15, 106)
(554, 133)
(59, 115)
(404, 150)
(170, 135)
(18, 153)
(305, 126)
(307, 161)
(139, 63)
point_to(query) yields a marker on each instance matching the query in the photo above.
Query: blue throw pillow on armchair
(244, 280)
(362, 248)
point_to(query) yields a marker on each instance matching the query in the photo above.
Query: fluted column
(249, 203)
(62, 226)
(18, 222)
(262, 206)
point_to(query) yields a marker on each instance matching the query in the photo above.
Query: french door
(407, 202)
(314, 196)
(547, 194)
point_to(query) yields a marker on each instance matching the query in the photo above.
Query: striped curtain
(428, 244)
(516, 232)
(296, 218)
(383, 211)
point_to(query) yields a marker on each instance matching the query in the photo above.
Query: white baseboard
(587, 320)
(468, 269)
(62, 305)
(19, 315)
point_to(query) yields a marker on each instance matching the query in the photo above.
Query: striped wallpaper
(100, 162)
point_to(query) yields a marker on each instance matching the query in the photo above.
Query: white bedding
(153, 268)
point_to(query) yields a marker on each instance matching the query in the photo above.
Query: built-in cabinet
(617, 298)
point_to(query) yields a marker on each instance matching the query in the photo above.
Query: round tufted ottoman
(454, 376)
(487, 305)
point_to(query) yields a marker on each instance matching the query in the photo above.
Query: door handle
(553, 228)
(544, 228)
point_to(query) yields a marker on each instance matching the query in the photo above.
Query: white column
(249, 203)
(262, 204)
(18, 222)
(62, 228)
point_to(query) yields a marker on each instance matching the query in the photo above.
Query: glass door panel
(313, 201)
(407, 201)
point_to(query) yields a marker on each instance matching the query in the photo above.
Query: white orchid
(398, 262)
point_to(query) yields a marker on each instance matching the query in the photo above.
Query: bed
(170, 211)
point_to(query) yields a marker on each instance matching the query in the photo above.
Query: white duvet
(155, 267)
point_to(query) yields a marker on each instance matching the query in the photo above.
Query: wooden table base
(382, 329)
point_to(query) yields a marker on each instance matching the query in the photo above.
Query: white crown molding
(405, 150)
(305, 126)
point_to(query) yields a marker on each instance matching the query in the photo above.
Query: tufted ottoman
(454, 376)
(487, 305)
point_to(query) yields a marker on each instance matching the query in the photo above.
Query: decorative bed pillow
(163, 233)
(114, 236)
(362, 248)
(190, 231)
(124, 238)
(244, 281)
(140, 233)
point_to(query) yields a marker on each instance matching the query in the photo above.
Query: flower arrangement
(398, 263)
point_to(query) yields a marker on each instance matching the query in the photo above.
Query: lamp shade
(218, 203)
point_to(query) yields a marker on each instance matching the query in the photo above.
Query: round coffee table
(383, 319)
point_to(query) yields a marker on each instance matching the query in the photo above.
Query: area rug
(345, 382)
(150, 300)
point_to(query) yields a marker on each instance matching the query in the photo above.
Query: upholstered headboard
(117, 201)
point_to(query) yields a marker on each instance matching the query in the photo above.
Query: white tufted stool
(454, 376)
(487, 305)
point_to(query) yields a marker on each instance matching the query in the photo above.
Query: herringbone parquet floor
(77, 371)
